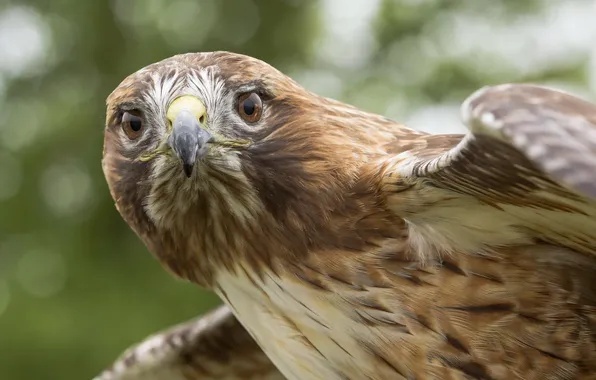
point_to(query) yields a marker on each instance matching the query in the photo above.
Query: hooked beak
(188, 139)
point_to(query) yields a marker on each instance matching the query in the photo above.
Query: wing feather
(553, 129)
(523, 173)
(211, 347)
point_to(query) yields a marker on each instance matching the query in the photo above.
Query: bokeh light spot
(324, 83)
(184, 23)
(21, 123)
(10, 175)
(348, 42)
(425, 119)
(66, 188)
(24, 40)
(243, 20)
(41, 273)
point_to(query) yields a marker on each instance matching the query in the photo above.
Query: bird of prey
(346, 246)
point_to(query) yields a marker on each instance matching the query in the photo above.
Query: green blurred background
(76, 286)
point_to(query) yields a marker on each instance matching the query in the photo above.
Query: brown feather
(211, 347)
(352, 247)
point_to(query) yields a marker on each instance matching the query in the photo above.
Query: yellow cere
(189, 103)
(197, 108)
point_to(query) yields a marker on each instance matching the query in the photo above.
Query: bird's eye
(132, 125)
(250, 107)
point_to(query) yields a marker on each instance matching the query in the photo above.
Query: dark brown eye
(132, 125)
(250, 107)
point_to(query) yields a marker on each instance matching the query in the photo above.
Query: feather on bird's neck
(203, 222)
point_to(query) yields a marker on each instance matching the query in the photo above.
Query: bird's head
(206, 142)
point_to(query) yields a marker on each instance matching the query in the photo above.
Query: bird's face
(178, 132)
(203, 136)
(187, 114)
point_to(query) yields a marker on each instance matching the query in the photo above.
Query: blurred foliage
(76, 285)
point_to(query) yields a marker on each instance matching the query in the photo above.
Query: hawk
(347, 246)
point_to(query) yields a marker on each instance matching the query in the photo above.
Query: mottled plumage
(212, 347)
(349, 246)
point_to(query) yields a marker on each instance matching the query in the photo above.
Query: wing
(556, 131)
(524, 172)
(214, 346)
